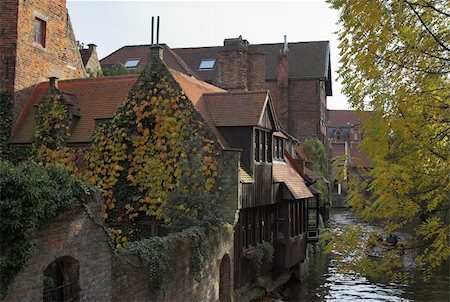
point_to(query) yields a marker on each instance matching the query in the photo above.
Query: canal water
(324, 283)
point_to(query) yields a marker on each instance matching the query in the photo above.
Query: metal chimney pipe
(153, 21)
(286, 48)
(157, 31)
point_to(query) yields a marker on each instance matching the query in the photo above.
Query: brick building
(265, 196)
(36, 42)
(345, 133)
(298, 76)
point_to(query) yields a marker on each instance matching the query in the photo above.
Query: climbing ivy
(155, 150)
(30, 195)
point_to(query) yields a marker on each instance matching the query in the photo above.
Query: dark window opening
(61, 280)
(40, 27)
(262, 146)
(278, 148)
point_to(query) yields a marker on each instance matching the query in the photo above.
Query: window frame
(40, 35)
(207, 62)
(133, 66)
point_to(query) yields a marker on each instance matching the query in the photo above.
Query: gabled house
(297, 74)
(274, 197)
(266, 199)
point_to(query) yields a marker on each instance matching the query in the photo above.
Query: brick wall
(304, 107)
(131, 277)
(257, 71)
(72, 234)
(60, 57)
(233, 70)
(8, 37)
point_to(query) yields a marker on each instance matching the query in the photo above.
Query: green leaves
(396, 61)
(30, 195)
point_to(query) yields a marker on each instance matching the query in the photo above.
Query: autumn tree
(395, 58)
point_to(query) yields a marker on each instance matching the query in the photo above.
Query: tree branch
(438, 41)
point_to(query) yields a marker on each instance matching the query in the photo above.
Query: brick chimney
(156, 51)
(282, 106)
(233, 65)
(257, 69)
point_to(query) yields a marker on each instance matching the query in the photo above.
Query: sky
(113, 24)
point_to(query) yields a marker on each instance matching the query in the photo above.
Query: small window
(207, 64)
(132, 63)
(39, 31)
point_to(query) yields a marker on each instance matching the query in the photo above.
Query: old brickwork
(34, 63)
(240, 67)
(8, 38)
(304, 114)
(72, 234)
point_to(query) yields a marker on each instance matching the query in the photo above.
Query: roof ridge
(238, 92)
(99, 79)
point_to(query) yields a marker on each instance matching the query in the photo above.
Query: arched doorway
(61, 280)
(225, 280)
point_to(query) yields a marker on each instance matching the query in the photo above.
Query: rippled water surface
(325, 284)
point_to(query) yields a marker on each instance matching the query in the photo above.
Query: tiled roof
(195, 90)
(284, 173)
(311, 175)
(142, 52)
(244, 177)
(97, 98)
(342, 118)
(307, 60)
(86, 55)
(236, 108)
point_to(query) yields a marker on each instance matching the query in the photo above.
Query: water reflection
(324, 283)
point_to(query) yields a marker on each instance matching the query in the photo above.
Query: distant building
(90, 60)
(344, 137)
(298, 75)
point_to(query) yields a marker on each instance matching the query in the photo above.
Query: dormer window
(40, 27)
(207, 64)
(133, 63)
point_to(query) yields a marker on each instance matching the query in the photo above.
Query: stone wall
(72, 234)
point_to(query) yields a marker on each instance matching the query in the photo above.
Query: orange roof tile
(236, 108)
(195, 90)
(97, 98)
(282, 172)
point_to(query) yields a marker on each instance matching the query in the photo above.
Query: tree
(396, 61)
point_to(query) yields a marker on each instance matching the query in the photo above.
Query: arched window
(61, 280)
(225, 280)
(337, 134)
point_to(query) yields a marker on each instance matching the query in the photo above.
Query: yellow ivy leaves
(155, 145)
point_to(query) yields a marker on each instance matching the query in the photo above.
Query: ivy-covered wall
(156, 164)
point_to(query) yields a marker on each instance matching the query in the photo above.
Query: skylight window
(207, 64)
(132, 63)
